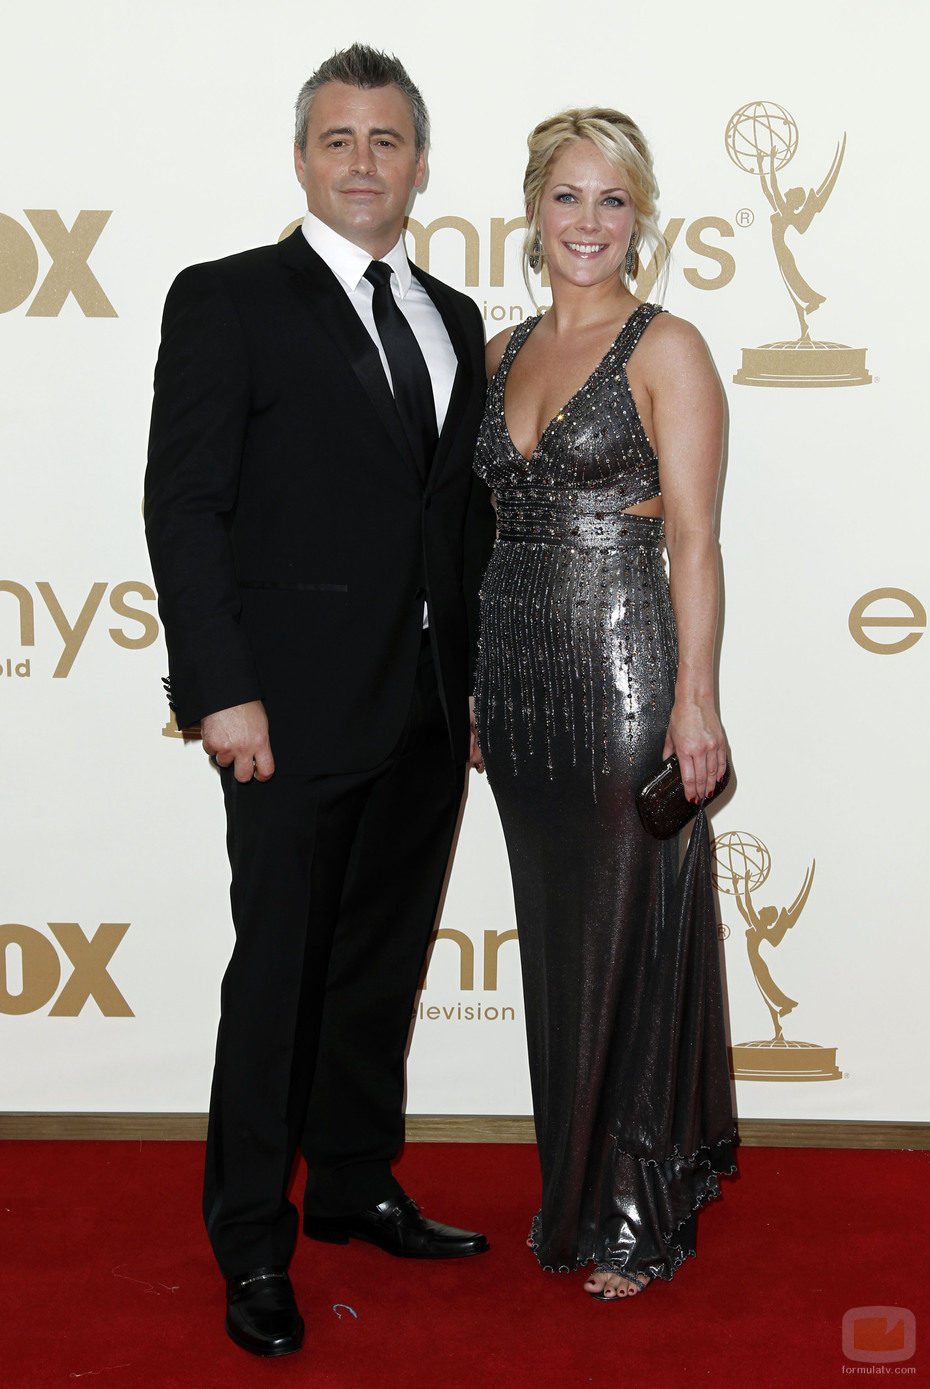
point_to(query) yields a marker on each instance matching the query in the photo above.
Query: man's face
(361, 164)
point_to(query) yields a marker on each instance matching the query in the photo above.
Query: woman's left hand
(696, 737)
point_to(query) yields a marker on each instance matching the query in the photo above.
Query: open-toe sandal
(639, 1281)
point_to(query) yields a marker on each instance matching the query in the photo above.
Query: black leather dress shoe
(261, 1314)
(397, 1226)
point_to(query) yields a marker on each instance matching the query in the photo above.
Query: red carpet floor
(108, 1281)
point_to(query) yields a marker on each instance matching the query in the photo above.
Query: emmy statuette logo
(741, 865)
(761, 139)
(170, 729)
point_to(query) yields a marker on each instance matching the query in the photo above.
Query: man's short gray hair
(364, 67)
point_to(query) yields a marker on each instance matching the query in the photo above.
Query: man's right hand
(239, 736)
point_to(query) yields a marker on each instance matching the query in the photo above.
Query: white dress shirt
(349, 262)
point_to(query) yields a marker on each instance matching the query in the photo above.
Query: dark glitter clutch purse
(663, 807)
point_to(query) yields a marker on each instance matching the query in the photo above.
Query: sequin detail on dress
(575, 682)
(567, 550)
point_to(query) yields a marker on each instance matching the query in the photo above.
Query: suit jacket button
(427, 501)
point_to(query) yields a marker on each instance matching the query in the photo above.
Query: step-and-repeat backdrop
(142, 138)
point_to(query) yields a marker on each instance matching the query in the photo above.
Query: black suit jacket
(293, 538)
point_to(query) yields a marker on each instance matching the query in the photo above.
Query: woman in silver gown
(602, 442)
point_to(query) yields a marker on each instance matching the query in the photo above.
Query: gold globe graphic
(736, 854)
(761, 129)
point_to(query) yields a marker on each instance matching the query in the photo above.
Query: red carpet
(108, 1281)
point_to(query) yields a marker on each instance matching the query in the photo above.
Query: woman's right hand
(696, 737)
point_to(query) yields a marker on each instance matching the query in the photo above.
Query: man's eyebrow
(350, 130)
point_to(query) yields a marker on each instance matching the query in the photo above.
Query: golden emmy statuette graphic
(171, 730)
(741, 864)
(761, 138)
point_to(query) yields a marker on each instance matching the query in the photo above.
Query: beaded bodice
(596, 441)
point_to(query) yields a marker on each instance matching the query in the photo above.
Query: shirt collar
(348, 261)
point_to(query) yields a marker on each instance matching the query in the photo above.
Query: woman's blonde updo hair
(622, 143)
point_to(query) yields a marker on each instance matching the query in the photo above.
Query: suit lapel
(461, 386)
(321, 291)
(327, 300)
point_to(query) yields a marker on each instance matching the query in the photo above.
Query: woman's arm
(687, 419)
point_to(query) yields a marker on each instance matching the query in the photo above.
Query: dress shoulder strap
(517, 338)
(633, 329)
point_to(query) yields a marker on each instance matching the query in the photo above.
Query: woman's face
(586, 216)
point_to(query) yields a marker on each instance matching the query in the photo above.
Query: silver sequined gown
(621, 976)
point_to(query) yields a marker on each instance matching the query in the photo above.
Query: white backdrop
(176, 120)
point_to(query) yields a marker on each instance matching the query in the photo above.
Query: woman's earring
(632, 259)
(535, 256)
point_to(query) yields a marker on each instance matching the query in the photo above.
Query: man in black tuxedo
(317, 537)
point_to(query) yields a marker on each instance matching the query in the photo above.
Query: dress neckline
(513, 347)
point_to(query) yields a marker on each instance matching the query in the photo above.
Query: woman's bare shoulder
(672, 344)
(674, 334)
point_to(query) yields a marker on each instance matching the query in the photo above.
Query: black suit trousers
(336, 882)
